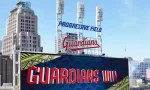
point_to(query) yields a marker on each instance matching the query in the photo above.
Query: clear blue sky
(125, 23)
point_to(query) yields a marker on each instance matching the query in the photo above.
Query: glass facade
(138, 70)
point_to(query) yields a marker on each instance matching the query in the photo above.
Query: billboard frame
(17, 73)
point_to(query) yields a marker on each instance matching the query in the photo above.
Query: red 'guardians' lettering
(32, 79)
(59, 76)
(90, 76)
(63, 75)
(79, 45)
(42, 72)
(72, 74)
(45, 75)
(54, 76)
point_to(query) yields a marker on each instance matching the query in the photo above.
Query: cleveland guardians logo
(79, 45)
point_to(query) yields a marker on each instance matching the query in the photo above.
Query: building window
(26, 17)
(34, 46)
(23, 37)
(23, 40)
(34, 37)
(34, 41)
(32, 31)
(32, 21)
(30, 49)
(22, 20)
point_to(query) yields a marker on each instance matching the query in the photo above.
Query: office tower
(21, 30)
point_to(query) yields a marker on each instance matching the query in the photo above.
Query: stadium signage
(79, 26)
(43, 71)
(46, 75)
(79, 45)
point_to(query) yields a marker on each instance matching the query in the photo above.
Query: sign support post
(59, 13)
(80, 16)
(99, 18)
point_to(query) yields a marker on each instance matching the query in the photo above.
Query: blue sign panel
(79, 26)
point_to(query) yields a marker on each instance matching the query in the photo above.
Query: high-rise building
(71, 37)
(138, 70)
(22, 30)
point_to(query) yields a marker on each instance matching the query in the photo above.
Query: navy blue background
(80, 62)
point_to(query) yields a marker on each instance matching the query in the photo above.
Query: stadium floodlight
(99, 14)
(60, 6)
(80, 8)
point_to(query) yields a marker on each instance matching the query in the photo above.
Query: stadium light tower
(80, 16)
(99, 19)
(59, 13)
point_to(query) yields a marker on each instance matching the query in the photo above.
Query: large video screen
(41, 71)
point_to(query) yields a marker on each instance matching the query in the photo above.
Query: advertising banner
(42, 71)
